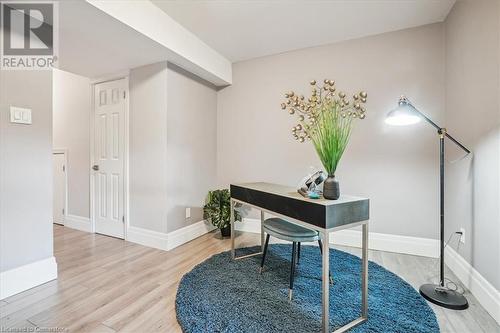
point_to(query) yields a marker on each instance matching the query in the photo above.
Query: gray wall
(473, 116)
(71, 131)
(25, 169)
(395, 167)
(148, 147)
(191, 145)
(173, 146)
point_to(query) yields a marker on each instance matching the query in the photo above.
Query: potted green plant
(218, 211)
(326, 118)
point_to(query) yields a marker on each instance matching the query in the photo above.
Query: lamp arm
(423, 115)
(440, 129)
(457, 143)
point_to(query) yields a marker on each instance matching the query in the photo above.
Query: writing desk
(322, 215)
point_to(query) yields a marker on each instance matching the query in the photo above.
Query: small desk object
(321, 215)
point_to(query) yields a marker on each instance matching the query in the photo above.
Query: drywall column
(26, 239)
(148, 147)
(71, 119)
(191, 146)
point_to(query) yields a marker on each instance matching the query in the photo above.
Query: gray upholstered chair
(296, 234)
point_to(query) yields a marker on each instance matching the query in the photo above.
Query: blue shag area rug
(222, 295)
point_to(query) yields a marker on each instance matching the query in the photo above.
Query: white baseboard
(158, 240)
(28, 276)
(168, 241)
(486, 294)
(186, 234)
(383, 242)
(425, 247)
(146, 237)
(78, 222)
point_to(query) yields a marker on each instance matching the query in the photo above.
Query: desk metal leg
(233, 252)
(233, 248)
(364, 285)
(325, 327)
(262, 230)
(364, 279)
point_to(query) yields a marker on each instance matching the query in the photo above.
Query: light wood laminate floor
(109, 285)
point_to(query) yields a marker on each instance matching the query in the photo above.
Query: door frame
(64, 152)
(118, 76)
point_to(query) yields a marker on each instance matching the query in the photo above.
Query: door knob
(95, 167)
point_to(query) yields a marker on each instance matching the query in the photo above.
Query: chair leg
(264, 254)
(292, 269)
(320, 243)
(298, 253)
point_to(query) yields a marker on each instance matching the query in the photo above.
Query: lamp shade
(404, 114)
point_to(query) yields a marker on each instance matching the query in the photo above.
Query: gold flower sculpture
(322, 98)
(326, 118)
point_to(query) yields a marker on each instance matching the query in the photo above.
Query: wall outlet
(188, 212)
(462, 236)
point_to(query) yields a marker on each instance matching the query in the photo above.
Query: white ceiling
(93, 44)
(243, 29)
(96, 42)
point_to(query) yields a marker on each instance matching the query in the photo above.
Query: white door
(109, 161)
(59, 202)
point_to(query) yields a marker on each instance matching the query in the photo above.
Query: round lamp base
(446, 298)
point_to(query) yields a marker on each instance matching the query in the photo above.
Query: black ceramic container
(331, 188)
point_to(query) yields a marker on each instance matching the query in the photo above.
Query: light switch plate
(188, 212)
(20, 115)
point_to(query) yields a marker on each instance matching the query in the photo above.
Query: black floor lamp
(407, 114)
